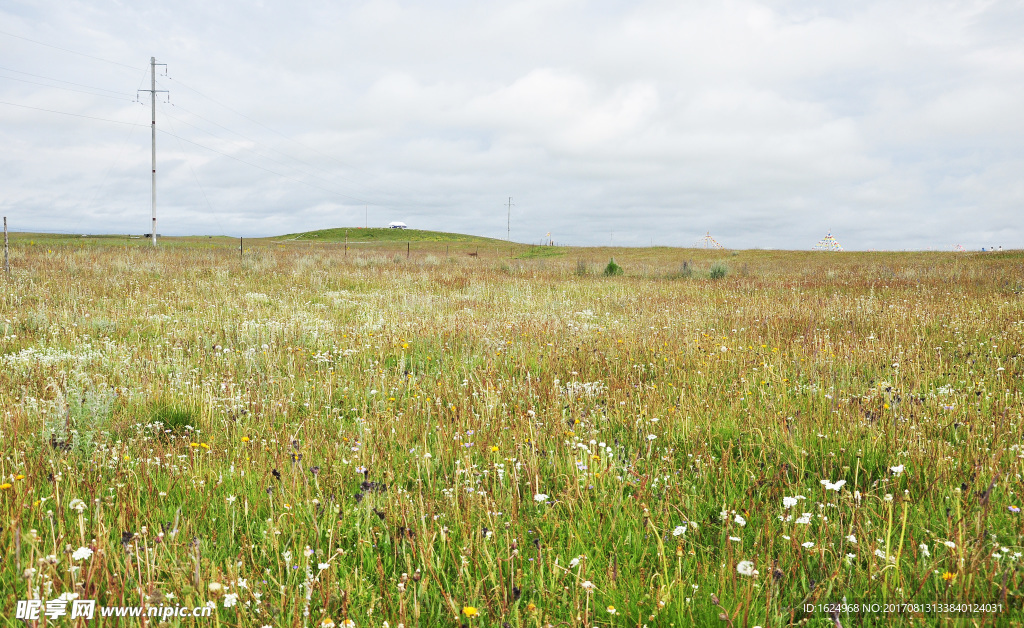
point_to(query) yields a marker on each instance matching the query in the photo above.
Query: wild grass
(304, 436)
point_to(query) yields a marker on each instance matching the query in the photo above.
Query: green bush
(612, 268)
(718, 271)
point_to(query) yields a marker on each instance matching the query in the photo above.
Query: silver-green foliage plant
(85, 418)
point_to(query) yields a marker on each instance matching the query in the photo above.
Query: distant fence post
(7, 264)
(408, 247)
(239, 247)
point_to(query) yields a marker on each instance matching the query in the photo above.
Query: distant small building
(397, 225)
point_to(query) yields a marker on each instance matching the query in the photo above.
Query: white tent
(398, 225)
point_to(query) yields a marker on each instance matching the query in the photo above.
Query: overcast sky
(896, 125)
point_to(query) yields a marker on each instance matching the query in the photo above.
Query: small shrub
(85, 419)
(582, 270)
(612, 269)
(718, 271)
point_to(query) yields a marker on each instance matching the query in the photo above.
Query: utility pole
(508, 227)
(152, 93)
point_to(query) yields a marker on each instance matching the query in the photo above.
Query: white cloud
(764, 122)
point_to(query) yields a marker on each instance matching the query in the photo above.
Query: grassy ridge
(386, 235)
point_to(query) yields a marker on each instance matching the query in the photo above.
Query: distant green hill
(358, 234)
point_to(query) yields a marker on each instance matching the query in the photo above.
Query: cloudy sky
(894, 124)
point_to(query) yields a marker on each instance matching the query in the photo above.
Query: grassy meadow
(395, 434)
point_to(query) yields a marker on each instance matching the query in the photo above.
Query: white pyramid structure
(828, 243)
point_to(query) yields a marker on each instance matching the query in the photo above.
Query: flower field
(304, 435)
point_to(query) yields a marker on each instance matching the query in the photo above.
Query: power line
(74, 52)
(256, 122)
(257, 142)
(80, 91)
(48, 78)
(278, 133)
(131, 67)
(106, 175)
(214, 150)
(199, 185)
(300, 181)
(278, 162)
(65, 113)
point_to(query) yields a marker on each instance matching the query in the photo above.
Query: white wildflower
(82, 553)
